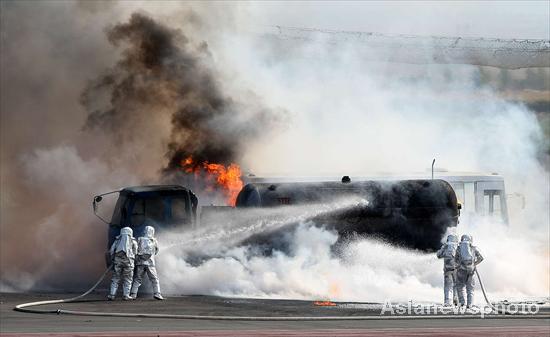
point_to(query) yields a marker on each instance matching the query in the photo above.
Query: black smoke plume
(164, 75)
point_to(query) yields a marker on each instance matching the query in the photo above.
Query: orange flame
(324, 304)
(228, 178)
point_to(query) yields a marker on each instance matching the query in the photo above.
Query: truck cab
(162, 206)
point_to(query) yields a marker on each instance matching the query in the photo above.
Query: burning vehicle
(168, 206)
(410, 213)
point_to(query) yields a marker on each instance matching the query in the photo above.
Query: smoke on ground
(361, 270)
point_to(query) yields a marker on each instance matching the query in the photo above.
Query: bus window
(469, 198)
(492, 203)
(496, 204)
(488, 202)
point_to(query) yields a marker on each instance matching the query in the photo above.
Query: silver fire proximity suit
(145, 263)
(467, 258)
(123, 252)
(447, 253)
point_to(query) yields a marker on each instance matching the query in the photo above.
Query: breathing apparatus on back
(466, 253)
(124, 243)
(146, 243)
(450, 248)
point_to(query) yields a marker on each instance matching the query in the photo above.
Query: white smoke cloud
(365, 271)
(353, 117)
(54, 245)
(362, 270)
(347, 117)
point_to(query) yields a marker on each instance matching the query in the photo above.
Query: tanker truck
(410, 213)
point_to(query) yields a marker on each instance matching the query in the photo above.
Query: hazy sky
(500, 19)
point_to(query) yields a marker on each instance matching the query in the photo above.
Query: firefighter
(123, 252)
(447, 252)
(467, 258)
(145, 263)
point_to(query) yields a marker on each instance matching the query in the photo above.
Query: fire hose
(21, 307)
(503, 311)
(25, 307)
(483, 291)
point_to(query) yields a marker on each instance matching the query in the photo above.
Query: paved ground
(14, 323)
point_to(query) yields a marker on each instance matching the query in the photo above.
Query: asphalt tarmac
(13, 323)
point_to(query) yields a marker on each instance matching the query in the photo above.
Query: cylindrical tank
(411, 213)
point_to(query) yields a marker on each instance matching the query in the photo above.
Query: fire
(228, 178)
(324, 304)
(186, 163)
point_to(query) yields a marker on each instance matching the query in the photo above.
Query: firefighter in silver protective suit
(447, 252)
(123, 252)
(145, 263)
(467, 258)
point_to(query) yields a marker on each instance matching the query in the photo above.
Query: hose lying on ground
(25, 307)
(502, 311)
(483, 291)
(21, 307)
